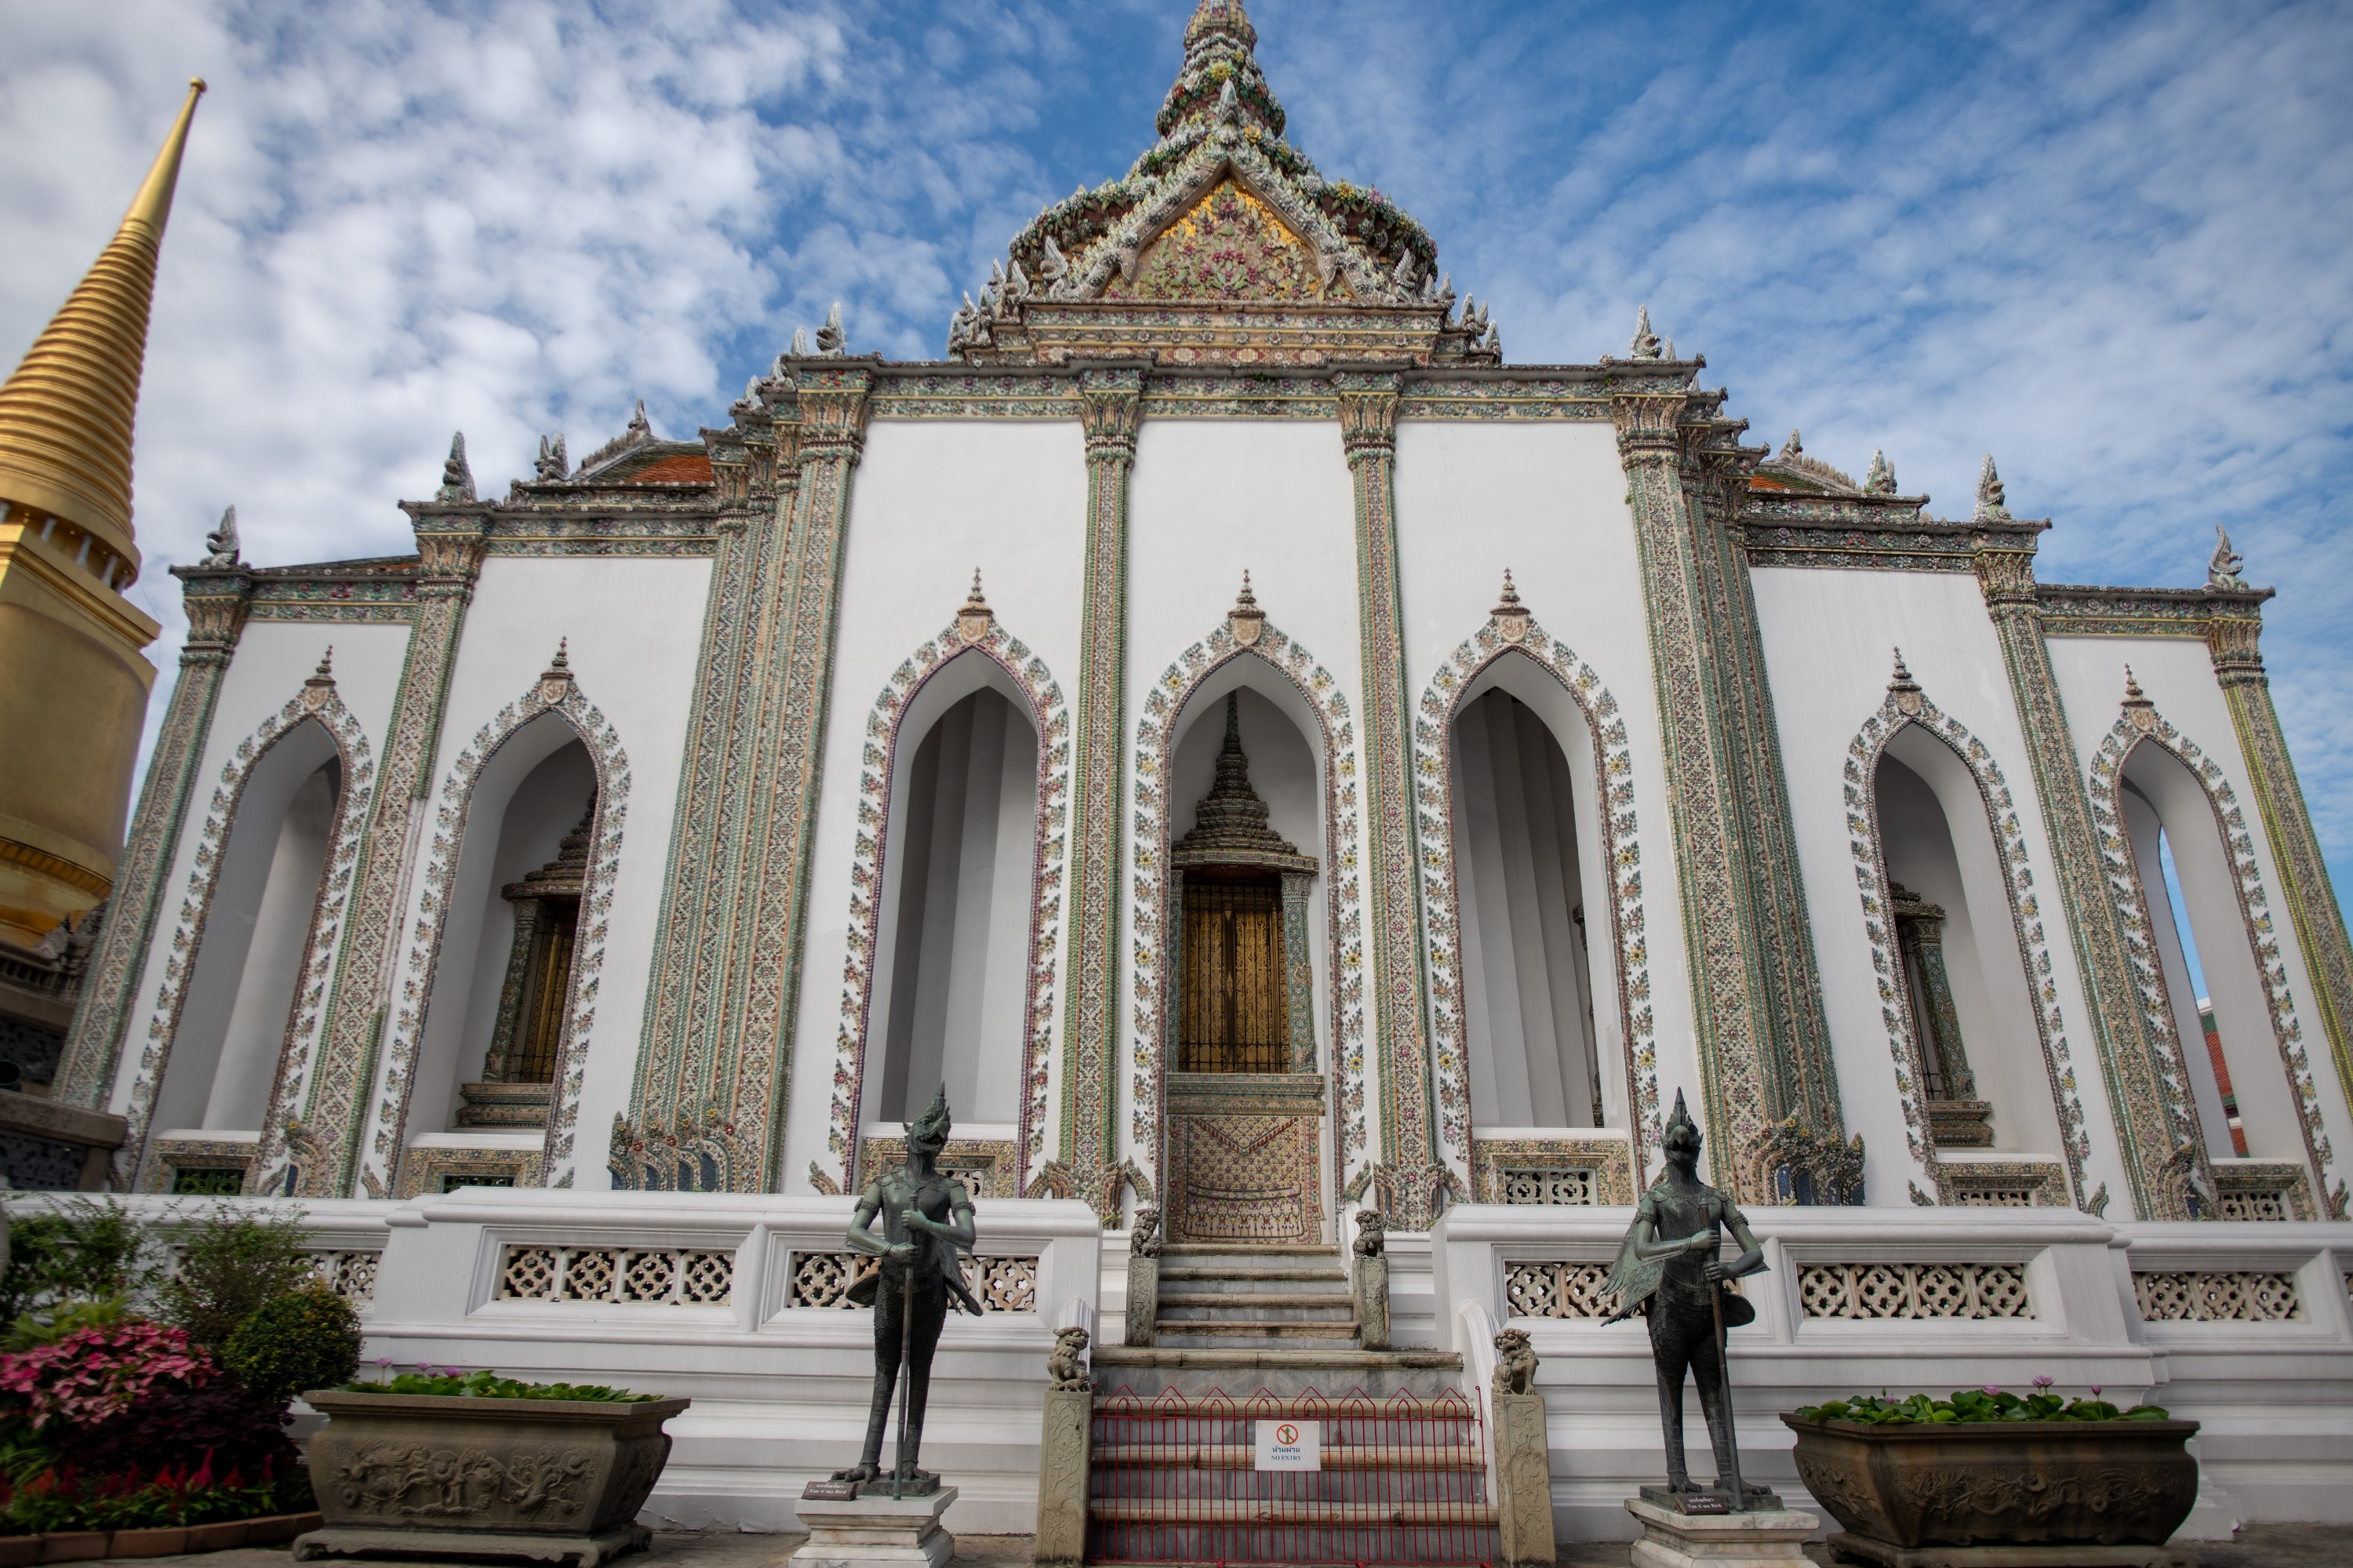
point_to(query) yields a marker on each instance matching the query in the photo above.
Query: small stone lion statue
(1068, 1376)
(1372, 1233)
(1144, 1241)
(1516, 1362)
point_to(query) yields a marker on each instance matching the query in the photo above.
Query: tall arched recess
(954, 910)
(1541, 1025)
(236, 1018)
(2160, 804)
(1964, 967)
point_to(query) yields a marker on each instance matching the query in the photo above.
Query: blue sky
(2107, 243)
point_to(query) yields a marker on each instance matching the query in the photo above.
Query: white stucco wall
(933, 499)
(1829, 638)
(271, 661)
(2177, 673)
(635, 631)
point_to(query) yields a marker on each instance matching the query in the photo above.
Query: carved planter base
(2004, 1484)
(1859, 1549)
(543, 1479)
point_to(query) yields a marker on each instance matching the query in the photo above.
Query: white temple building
(1270, 757)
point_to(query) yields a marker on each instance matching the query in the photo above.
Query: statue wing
(1632, 1281)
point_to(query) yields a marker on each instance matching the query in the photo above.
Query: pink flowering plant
(88, 1377)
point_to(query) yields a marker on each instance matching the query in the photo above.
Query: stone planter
(527, 1477)
(2074, 1483)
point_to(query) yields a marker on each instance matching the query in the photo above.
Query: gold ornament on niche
(1511, 615)
(974, 618)
(1246, 619)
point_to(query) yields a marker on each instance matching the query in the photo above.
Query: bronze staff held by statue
(1670, 1261)
(926, 1220)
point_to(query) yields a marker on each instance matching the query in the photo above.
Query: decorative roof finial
(831, 338)
(639, 424)
(800, 342)
(974, 618)
(551, 463)
(1791, 448)
(1901, 681)
(2222, 566)
(2134, 697)
(1646, 343)
(1220, 35)
(558, 673)
(1905, 691)
(1246, 619)
(1990, 499)
(324, 675)
(457, 479)
(220, 544)
(1509, 599)
(1880, 480)
(1511, 615)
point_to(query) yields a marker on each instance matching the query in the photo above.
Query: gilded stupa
(73, 682)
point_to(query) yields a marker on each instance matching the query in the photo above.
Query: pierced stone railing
(1915, 1290)
(2256, 1204)
(824, 1279)
(350, 1275)
(657, 1277)
(1550, 1185)
(2217, 1297)
(1555, 1289)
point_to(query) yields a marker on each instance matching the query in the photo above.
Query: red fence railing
(1175, 1479)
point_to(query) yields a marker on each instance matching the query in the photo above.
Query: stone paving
(2261, 1546)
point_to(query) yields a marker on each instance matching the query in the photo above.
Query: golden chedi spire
(73, 682)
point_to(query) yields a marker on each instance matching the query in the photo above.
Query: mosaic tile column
(759, 483)
(2146, 1092)
(793, 682)
(1801, 1075)
(1718, 938)
(1111, 407)
(450, 539)
(2296, 848)
(1412, 1153)
(217, 604)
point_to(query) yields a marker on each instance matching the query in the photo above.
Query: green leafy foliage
(67, 1500)
(1972, 1405)
(488, 1385)
(306, 1338)
(79, 1250)
(232, 1262)
(47, 1326)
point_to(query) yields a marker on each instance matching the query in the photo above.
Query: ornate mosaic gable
(1621, 850)
(1907, 704)
(1231, 246)
(980, 635)
(2139, 722)
(318, 700)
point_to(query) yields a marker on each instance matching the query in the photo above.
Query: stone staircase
(1246, 1334)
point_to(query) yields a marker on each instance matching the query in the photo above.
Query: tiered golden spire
(66, 413)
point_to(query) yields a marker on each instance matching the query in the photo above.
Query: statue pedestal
(1673, 1539)
(882, 1532)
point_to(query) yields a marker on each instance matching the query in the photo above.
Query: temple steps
(1254, 1328)
(1334, 1300)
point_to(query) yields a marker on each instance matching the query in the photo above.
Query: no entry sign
(1289, 1445)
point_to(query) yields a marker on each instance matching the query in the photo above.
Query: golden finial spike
(152, 204)
(66, 413)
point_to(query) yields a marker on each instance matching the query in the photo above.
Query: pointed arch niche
(1532, 884)
(2157, 799)
(956, 907)
(229, 1043)
(1240, 1155)
(1966, 984)
(491, 1020)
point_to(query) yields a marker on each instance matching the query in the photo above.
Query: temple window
(533, 1003)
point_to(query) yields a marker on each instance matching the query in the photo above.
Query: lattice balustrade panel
(657, 1277)
(1913, 1290)
(1572, 1184)
(350, 1275)
(824, 1279)
(1555, 1289)
(2217, 1297)
(2272, 1204)
(1994, 1198)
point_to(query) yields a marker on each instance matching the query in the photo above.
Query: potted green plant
(1990, 1468)
(441, 1461)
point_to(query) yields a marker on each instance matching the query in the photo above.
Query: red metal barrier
(1400, 1480)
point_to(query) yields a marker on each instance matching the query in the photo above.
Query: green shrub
(231, 1262)
(488, 1385)
(47, 1326)
(1975, 1405)
(79, 1250)
(306, 1338)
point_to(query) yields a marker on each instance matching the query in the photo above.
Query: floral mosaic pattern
(555, 692)
(1909, 705)
(1621, 849)
(2141, 722)
(1230, 246)
(1037, 684)
(317, 702)
(1154, 733)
